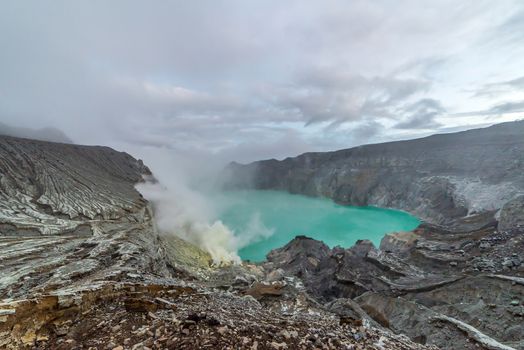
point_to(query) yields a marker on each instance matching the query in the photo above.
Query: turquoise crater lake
(265, 220)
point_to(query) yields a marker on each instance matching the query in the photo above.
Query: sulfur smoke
(185, 204)
(184, 212)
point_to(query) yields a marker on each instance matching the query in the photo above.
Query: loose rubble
(135, 316)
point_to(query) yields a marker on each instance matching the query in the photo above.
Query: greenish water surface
(265, 220)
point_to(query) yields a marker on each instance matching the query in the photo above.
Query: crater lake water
(265, 220)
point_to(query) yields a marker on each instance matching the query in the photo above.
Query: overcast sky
(245, 80)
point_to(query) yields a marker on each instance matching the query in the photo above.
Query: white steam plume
(185, 213)
(186, 203)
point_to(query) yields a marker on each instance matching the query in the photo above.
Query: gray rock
(511, 262)
(405, 289)
(514, 332)
(512, 215)
(351, 313)
(70, 214)
(485, 245)
(276, 275)
(398, 241)
(55, 188)
(240, 281)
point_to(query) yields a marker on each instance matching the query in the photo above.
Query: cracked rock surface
(52, 188)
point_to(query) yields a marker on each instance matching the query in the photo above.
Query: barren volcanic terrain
(83, 265)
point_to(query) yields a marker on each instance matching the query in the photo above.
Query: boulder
(398, 241)
(512, 215)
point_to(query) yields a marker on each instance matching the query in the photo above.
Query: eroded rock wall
(453, 290)
(52, 188)
(439, 178)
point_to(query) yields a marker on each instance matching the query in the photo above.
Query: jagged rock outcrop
(453, 290)
(457, 280)
(441, 178)
(82, 265)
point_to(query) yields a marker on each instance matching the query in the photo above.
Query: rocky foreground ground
(172, 316)
(82, 266)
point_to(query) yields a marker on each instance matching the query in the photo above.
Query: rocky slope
(456, 291)
(82, 266)
(51, 188)
(441, 178)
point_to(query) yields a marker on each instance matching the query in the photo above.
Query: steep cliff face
(70, 214)
(457, 285)
(50, 187)
(439, 178)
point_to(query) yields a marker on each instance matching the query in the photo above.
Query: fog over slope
(43, 134)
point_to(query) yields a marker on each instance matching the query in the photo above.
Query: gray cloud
(498, 109)
(516, 83)
(336, 97)
(507, 107)
(243, 80)
(421, 115)
(500, 88)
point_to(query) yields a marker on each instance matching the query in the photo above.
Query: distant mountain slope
(440, 178)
